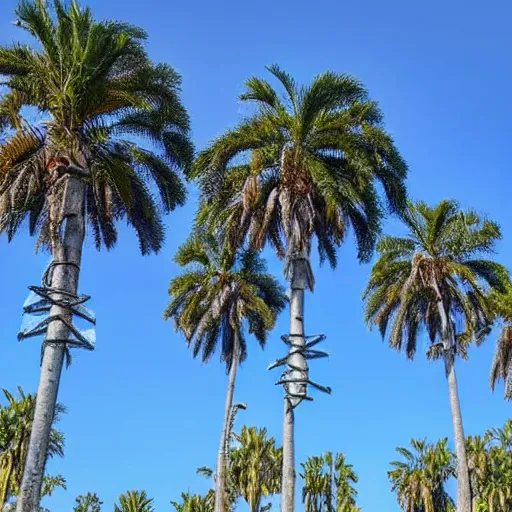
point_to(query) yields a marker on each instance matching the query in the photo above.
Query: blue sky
(142, 413)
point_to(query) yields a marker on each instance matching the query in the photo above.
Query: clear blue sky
(142, 413)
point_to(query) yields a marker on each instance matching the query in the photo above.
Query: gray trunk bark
(223, 453)
(297, 361)
(463, 484)
(65, 277)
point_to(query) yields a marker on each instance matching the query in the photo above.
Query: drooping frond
(308, 165)
(102, 103)
(440, 262)
(220, 296)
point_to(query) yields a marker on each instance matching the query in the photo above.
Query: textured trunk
(254, 505)
(299, 369)
(68, 248)
(223, 454)
(463, 484)
(288, 483)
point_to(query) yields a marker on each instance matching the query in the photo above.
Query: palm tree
(195, 502)
(300, 168)
(501, 368)
(436, 278)
(16, 420)
(419, 480)
(210, 304)
(254, 469)
(88, 503)
(97, 92)
(490, 464)
(255, 466)
(134, 501)
(502, 436)
(478, 465)
(329, 484)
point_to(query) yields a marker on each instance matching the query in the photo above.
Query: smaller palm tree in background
(195, 502)
(419, 479)
(437, 279)
(478, 464)
(212, 304)
(88, 503)
(329, 484)
(501, 368)
(255, 466)
(134, 501)
(15, 426)
(490, 458)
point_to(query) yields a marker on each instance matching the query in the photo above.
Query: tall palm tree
(210, 303)
(302, 167)
(329, 484)
(436, 279)
(134, 501)
(99, 96)
(501, 368)
(195, 502)
(16, 420)
(419, 480)
(255, 466)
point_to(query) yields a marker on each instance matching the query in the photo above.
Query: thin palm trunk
(254, 504)
(68, 249)
(299, 370)
(463, 484)
(223, 454)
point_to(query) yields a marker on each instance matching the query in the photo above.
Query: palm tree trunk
(299, 370)
(222, 456)
(463, 484)
(288, 482)
(65, 277)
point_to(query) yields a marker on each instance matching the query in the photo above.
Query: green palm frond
(15, 427)
(419, 480)
(134, 501)
(304, 166)
(255, 466)
(104, 104)
(329, 484)
(220, 296)
(439, 260)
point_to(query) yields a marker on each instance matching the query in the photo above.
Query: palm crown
(439, 261)
(134, 501)
(419, 479)
(329, 484)
(302, 166)
(211, 301)
(97, 93)
(194, 502)
(255, 466)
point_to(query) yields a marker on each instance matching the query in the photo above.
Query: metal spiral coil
(307, 352)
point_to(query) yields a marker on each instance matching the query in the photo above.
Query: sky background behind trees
(142, 413)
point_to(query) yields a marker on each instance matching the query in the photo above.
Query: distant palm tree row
(253, 472)
(419, 478)
(308, 165)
